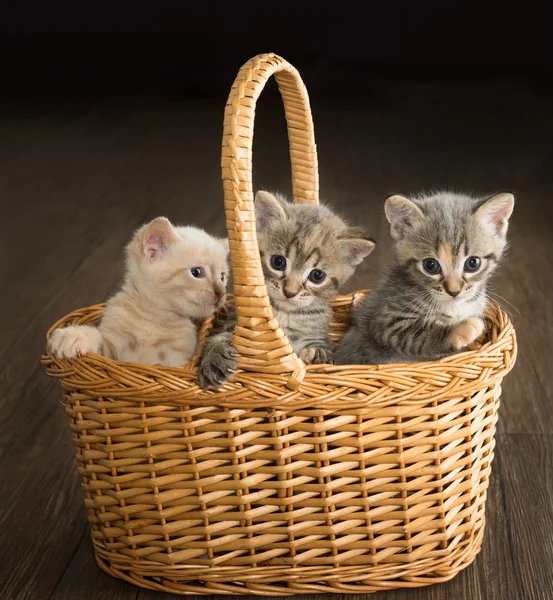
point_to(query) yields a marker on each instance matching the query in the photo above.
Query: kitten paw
(73, 341)
(218, 364)
(466, 333)
(316, 355)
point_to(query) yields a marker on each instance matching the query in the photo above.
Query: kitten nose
(453, 287)
(290, 293)
(219, 294)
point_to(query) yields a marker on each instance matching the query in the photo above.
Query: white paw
(466, 333)
(74, 341)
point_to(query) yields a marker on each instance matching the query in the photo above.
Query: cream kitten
(174, 275)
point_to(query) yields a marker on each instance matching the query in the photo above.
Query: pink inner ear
(497, 211)
(499, 216)
(159, 235)
(154, 244)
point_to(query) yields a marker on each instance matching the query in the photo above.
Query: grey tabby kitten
(307, 252)
(432, 300)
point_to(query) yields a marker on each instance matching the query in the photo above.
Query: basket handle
(261, 343)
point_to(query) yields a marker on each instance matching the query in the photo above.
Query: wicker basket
(291, 479)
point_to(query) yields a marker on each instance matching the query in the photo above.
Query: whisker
(499, 298)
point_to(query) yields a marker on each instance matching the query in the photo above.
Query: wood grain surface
(75, 182)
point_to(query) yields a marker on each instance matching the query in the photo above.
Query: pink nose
(290, 293)
(219, 294)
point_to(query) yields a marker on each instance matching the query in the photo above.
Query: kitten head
(307, 251)
(449, 244)
(180, 269)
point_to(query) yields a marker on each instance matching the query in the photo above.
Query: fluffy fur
(307, 253)
(174, 276)
(416, 314)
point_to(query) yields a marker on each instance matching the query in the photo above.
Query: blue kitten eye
(197, 272)
(472, 264)
(431, 266)
(278, 262)
(317, 276)
(222, 276)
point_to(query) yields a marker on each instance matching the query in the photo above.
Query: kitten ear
(158, 236)
(355, 250)
(268, 208)
(496, 212)
(225, 244)
(402, 214)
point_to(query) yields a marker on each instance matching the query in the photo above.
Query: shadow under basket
(290, 479)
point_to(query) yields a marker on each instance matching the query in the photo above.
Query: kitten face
(448, 243)
(307, 251)
(180, 269)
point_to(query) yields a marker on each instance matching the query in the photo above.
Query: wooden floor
(76, 181)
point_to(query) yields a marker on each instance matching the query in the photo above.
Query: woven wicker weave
(289, 479)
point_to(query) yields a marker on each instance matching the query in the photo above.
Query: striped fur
(414, 315)
(308, 237)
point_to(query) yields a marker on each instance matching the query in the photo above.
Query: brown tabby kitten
(307, 252)
(431, 302)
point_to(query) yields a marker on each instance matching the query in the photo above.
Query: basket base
(289, 581)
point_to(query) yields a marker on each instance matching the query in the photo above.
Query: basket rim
(324, 386)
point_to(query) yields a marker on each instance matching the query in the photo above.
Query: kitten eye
(278, 262)
(223, 276)
(317, 276)
(197, 272)
(472, 264)
(431, 266)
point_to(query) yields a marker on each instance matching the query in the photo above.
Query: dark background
(111, 115)
(180, 49)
